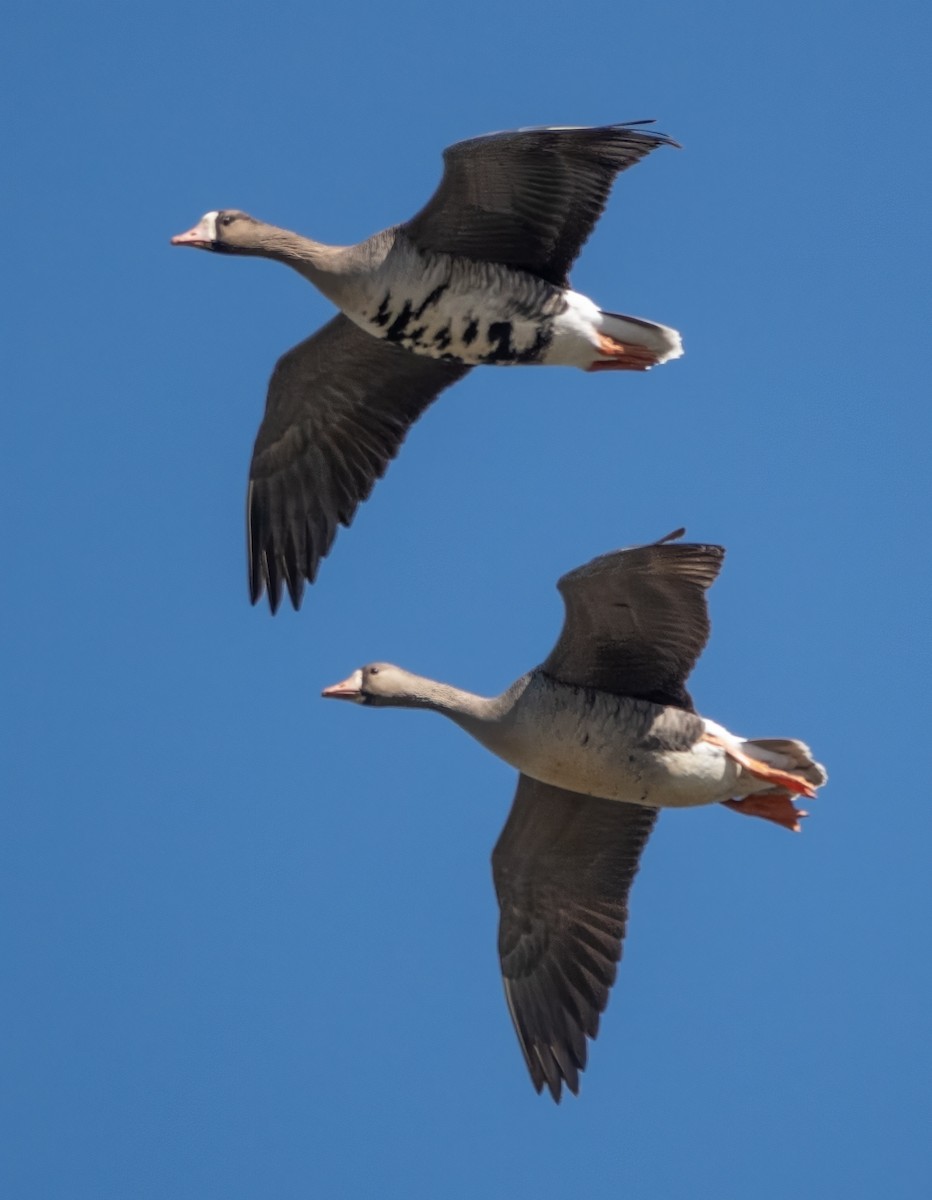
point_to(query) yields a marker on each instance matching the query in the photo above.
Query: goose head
(227, 231)
(379, 683)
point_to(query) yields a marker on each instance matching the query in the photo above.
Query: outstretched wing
(528, 198)
(563, 867)
(637, 620)
(339, 406)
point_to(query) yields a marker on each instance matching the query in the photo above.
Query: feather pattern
(563, 867)
(637, 621)
(529, 198)
(339, 406)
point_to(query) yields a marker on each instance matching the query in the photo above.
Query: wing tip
(651, 138)
(654, 135)
(269, 570)
(273, 585)
(669, 544)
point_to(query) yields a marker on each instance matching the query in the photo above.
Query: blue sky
(249, 937)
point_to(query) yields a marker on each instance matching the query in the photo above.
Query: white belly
(617, 771)
(574, 341)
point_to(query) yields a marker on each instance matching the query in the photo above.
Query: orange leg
(622, 356)
(776, 805)
(786, 780)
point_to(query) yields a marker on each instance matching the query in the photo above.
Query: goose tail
(785, 766)
(788, 754)
(633, 344)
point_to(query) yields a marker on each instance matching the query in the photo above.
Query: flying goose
(604, 734)
(479, 275)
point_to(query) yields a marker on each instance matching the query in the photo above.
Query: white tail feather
(789, 755)
(663, 341)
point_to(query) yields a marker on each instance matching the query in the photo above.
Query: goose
(478, 276)
(603, 735)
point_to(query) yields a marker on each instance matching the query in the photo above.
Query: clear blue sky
(249, 936)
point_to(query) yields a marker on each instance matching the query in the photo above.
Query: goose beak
(349, 689)
(203, 235)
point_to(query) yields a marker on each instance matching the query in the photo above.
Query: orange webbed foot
(776, 805)
(616, 364)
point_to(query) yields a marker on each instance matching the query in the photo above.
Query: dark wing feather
(563, 867)
(637, 621)
(528, 198)
(339, 406)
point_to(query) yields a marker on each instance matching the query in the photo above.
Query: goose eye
(226, 219)
(373, 670)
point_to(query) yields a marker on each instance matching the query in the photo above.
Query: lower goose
(604, 735)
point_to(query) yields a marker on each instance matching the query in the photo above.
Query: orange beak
(349, 689)
(201, 236)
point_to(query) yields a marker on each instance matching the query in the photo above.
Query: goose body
(603, 735)
(598, 743)
(487, 314)
(478, 277)
(614, 747)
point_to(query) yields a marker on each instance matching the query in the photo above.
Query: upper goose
(605, 719)
(478, 276)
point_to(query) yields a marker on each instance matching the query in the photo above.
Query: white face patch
(208, 226)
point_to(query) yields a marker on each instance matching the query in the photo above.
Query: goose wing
(339, 406)
(528, 198)
(563, 867)
(637, 620)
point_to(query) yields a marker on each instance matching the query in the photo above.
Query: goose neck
(453, 702)
(316, 261)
